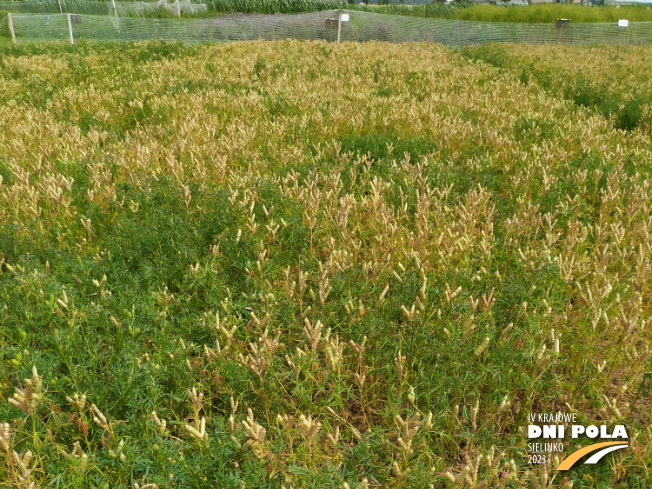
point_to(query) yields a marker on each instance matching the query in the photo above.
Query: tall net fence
(361, 26)
(101, 7)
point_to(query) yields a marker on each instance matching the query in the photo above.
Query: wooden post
(339, 26)
(11, 28)
(70, 30)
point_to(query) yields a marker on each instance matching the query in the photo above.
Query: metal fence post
(11, 28)
(70, 30)
(339, 26)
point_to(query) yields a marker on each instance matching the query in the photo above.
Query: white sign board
(344, 18)
(623, 23)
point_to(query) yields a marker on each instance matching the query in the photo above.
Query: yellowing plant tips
(310, 264)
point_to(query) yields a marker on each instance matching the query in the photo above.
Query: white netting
(362, 26)
(101, 7)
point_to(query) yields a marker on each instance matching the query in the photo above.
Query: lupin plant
(266, 267)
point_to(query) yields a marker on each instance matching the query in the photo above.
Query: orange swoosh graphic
(575, 456)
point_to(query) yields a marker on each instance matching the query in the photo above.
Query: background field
(552, 12)
(288, 249)
(462, 10)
